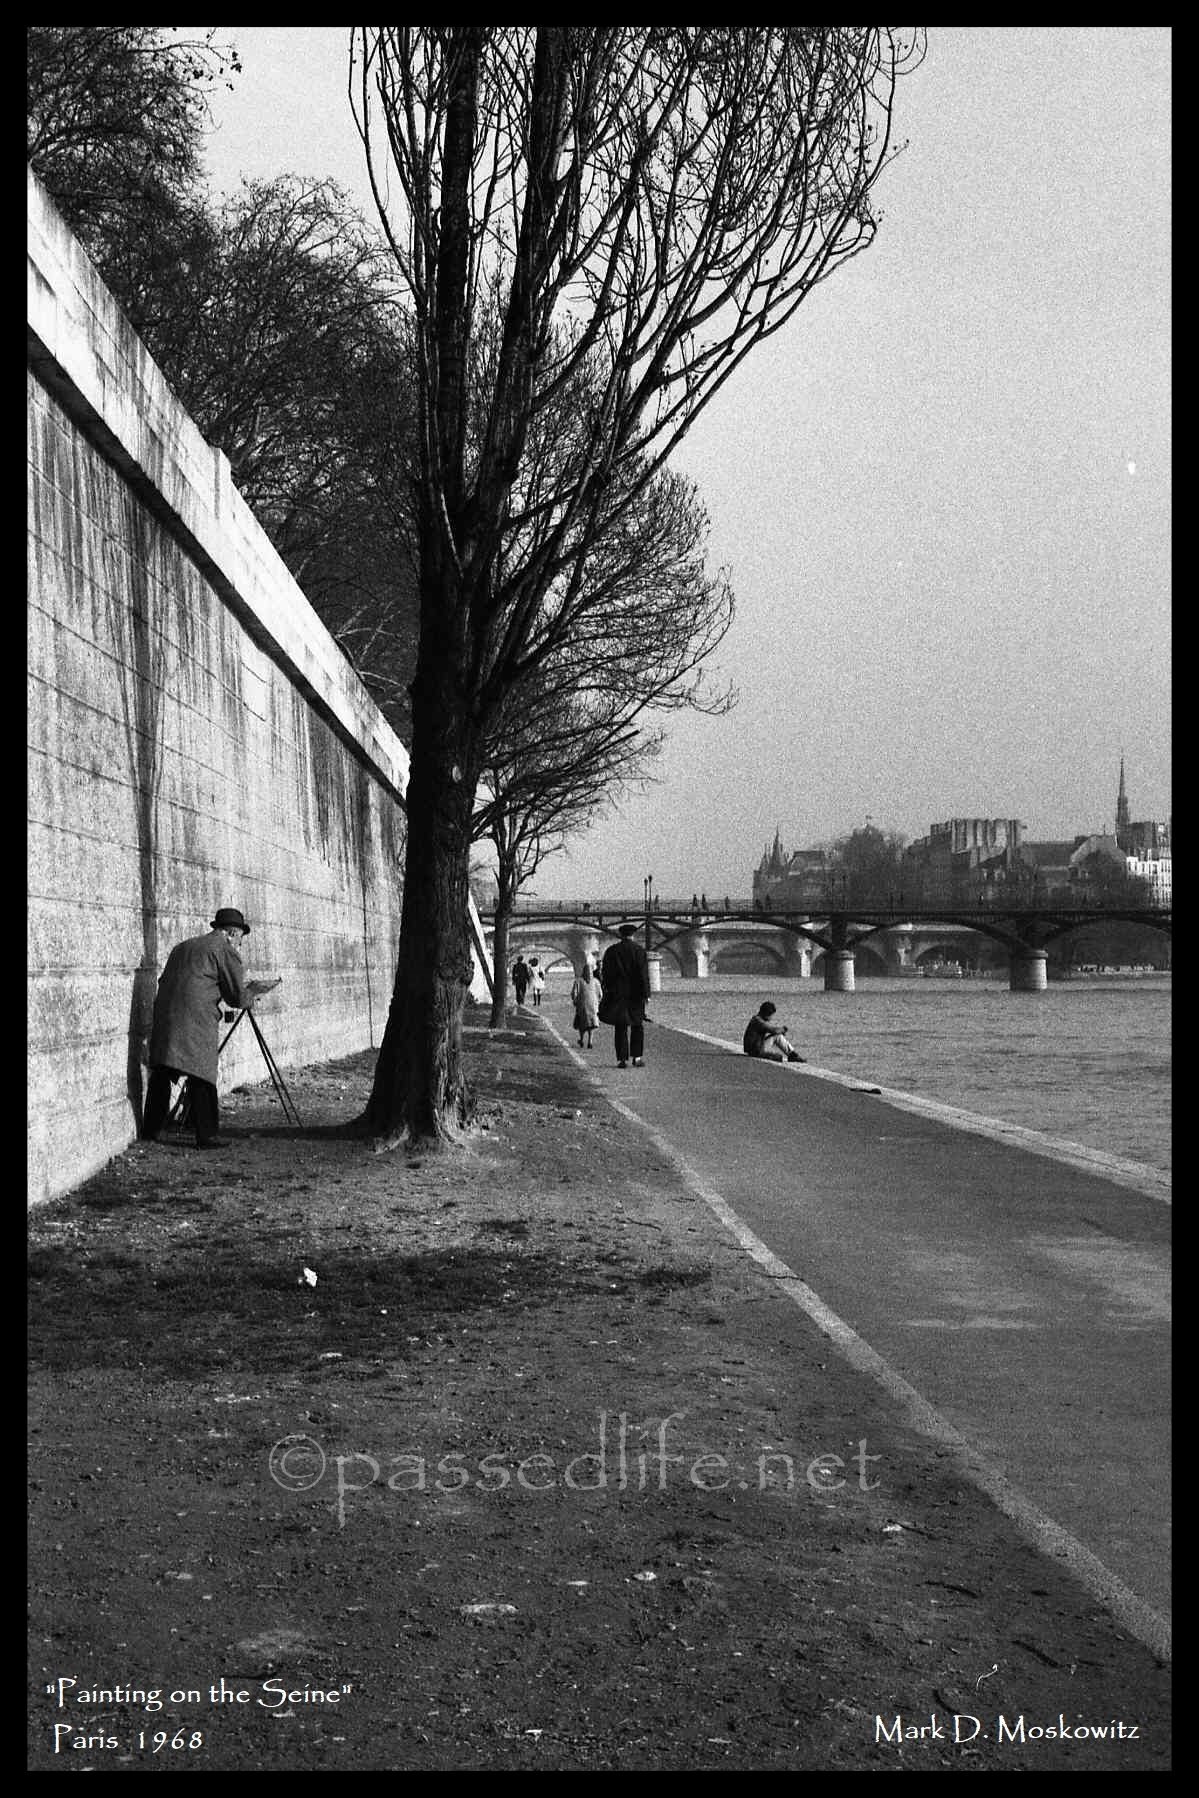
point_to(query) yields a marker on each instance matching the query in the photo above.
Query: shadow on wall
(141, 1010)
(139, 644)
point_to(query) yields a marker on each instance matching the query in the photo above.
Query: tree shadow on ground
(215, 1306)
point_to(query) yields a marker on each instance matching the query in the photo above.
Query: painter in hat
(201, 976)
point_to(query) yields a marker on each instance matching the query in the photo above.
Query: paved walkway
(1025, 1299)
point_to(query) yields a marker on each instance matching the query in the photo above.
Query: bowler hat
(628, 930)
(228, 919)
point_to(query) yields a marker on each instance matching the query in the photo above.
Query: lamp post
(648, 884)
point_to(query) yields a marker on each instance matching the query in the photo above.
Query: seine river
(1089, 1059)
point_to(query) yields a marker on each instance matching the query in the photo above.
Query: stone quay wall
(197, 739)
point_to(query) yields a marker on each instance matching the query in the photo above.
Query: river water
(1089, 1059)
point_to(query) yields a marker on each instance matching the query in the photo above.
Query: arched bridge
(898, 937)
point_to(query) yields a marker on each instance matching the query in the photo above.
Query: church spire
(1122, 819)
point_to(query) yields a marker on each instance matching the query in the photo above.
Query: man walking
(625, 980)
(200, 975)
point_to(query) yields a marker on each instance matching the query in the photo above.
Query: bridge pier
(582, 946)
(655, 970)
(838, 971)
(1027, 971)
(797, 959)
(896, 948)
(693, 954)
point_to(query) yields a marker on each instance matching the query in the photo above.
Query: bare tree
(572, 735)
(595, 225)
(273, 316)
(292, 354)
(114, 120)
(543, 788)
(289, 304)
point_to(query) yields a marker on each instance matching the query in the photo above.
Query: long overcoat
(625, 980)
(586, 996)
(199, 975)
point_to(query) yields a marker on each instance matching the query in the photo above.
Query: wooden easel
(180, 1113)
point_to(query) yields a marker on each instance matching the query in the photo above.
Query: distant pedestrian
(585, 994)
(625, 980)
(520, 978)
(200, 976)
(536, 979)
(767, 1040)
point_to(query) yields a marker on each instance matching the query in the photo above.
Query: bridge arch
(945, 951)
(724, 946)
(861, 949)
(564, 942)
(1081, 922)
(549, 955)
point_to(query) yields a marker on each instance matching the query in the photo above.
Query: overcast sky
(942, 491)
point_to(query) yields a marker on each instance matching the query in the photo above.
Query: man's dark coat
(624, 977)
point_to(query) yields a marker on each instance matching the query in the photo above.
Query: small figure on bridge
(767, 1040)
(625, 980)
(520, 978)
(585, 994)
(536, 979)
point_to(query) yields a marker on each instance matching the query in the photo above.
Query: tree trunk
(420, 1093)
(505, 901)
(499, 996)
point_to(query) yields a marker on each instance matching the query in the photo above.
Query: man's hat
(227, 919)
(628, 929)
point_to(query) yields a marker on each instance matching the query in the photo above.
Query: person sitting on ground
(767, 1040)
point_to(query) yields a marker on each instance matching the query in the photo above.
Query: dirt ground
(504, 1458)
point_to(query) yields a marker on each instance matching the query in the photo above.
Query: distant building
(1147, 839)
(1099, 865)
(1155, 874)
(795, 882)
(1100, 852)
(1047, 866)
(1146, 844)
(964, 862)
